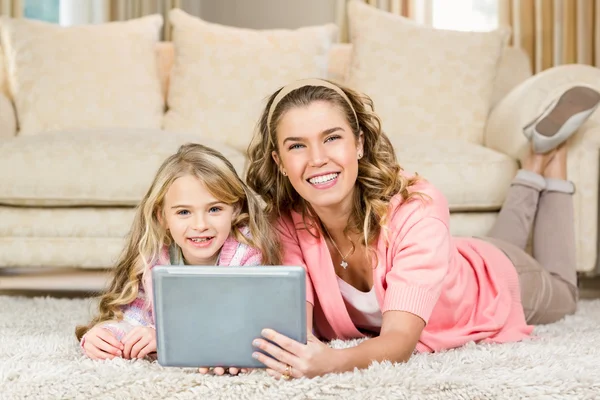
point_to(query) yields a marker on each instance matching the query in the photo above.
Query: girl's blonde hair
(148, 236)
(379, 174)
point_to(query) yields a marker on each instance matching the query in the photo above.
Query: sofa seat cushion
(472, 177)
(94, 168)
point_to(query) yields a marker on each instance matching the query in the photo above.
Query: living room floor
(64, 283)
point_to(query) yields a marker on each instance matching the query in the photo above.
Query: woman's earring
(283, 173)
(359, 156)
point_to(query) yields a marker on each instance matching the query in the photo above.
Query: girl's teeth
(199, 240)
(323, 178)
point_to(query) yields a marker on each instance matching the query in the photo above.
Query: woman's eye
(332, 138)
(183, 212)
(295, 146)
(214, 209)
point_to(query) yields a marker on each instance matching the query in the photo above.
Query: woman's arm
(400, 332)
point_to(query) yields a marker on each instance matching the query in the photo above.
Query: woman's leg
(554, 228)
(516, 218)
(541, 199)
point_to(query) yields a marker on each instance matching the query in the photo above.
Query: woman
(376, 244)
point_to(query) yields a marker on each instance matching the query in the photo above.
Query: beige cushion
(421, 79)
(472, 223)
(472, 177)
(59, 252)
(8, 120)
(72, 222)
(3, 81)
(222, 75)
(101, 167)
(93, 76)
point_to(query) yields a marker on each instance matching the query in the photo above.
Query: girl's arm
(137, 313)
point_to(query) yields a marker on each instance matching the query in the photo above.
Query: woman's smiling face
(319, 153)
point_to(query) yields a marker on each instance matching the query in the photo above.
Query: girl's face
(198, 222)
(319, 153)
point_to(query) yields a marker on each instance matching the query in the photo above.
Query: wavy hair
(379, 174)
(148, 236)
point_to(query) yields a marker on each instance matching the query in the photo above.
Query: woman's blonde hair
(379, 174)
(148, 236)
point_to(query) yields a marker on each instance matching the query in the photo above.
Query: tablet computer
(208, 316)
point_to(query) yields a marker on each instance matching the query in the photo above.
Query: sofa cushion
(472, 177)
(91, 76)
(424, 79)
(93, 168)
(3, 83)
(222, 75)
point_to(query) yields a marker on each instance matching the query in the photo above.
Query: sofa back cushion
(513, 69)
(3, 83)
(83, 77)
(423, 81)
(103, 167)
(222, 75)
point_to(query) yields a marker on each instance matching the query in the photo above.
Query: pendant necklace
(343, 264)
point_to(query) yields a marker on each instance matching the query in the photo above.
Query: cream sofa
(67, 200)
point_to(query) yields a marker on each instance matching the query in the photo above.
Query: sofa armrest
(8, 119)
(504, 133)
(583, 169)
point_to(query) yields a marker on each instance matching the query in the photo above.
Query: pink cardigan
(465, 289)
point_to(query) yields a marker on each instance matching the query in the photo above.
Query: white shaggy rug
(40, 359)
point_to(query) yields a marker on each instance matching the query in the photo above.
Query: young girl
(196, 212)
(376, 244)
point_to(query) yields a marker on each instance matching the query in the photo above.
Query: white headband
(299, 84)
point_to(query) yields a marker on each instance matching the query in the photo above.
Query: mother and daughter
(374, 239)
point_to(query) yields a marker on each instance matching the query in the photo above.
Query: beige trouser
(548, 280)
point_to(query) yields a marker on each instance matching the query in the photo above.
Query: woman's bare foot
(557, 167)
(537, 162)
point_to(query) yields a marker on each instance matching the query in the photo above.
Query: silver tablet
(209, 316)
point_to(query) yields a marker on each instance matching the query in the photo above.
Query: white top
(362, 307)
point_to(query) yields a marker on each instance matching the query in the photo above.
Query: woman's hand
(304, 360)
(222, 371)
(139, 342)
(101, 344)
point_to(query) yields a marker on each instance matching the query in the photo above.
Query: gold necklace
(343, 264)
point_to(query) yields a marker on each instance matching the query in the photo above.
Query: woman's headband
(301, 83)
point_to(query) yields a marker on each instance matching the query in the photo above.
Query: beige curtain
(11, 8)
(121, 10)
(554, 32)
(418, 10)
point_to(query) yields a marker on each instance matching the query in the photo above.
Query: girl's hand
(221, 371)
(139, 342)
(101, 344)
(304, 360)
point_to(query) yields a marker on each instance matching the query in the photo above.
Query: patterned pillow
(83, 77)
(222, 75)
(423, 81)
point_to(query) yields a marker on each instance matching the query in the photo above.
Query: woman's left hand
(293, 359)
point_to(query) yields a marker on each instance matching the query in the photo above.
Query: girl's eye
(332, 138)
(295, 146)
(183, 212)
(214, 209)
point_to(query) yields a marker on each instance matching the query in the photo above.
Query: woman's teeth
(323, 178)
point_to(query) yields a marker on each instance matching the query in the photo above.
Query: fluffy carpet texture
(40, 359)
